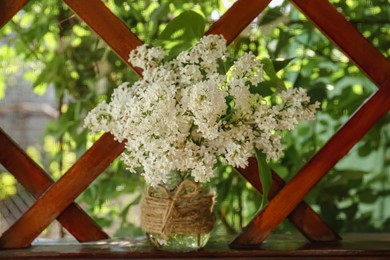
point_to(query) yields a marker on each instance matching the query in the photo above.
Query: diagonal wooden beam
(300, 185)
(237, 18)
(344, 35)
(59, 195)
(114, 32)
(36, 181)
(8, 8)
(304, 218)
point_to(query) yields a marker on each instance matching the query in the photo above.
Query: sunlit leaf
(182, 32)
(269, 69)
(265, 175)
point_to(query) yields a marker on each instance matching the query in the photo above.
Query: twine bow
(181, 192)
(184, 211)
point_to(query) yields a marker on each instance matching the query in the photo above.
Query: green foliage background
(55, 49)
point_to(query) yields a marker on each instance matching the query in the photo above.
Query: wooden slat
(26, 171)
(342, 33)
(237, 18)
(62, 193)
(109, 27)
(36, 181)
(305, 219)
(8, 8)
(300, 185)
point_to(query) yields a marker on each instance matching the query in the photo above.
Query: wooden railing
(55, 199)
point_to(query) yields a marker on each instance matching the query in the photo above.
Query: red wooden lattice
(55, 200)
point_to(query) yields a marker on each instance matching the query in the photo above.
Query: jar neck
(174, 179)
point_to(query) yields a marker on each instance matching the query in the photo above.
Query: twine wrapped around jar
(186, 210)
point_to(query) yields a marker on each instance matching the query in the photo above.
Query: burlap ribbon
(184, 211)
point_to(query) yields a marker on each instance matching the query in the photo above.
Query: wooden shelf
(354, 246)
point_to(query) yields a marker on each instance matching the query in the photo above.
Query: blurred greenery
(54, 48)
(7, 185)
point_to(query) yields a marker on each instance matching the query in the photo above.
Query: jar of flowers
(182, 118)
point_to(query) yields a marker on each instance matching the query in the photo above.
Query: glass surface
(179, 242)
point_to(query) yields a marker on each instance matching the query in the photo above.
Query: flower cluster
(184, 114)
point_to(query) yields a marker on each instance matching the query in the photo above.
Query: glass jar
(178, 216)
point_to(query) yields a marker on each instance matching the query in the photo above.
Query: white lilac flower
(184, 114)
(146, 58)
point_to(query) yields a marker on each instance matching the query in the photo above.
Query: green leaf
(182, 32)
(265, 176)
(264, 88)
(225, 65)
(280, 64)
(367, 196)
(283, 38)
(188, 26)
(49, 74)
(268, 66)
(318, 92)
(176, 49)
(134, 10)
(158, 14)
(271, 15)
(126, 210)
(269, 69)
